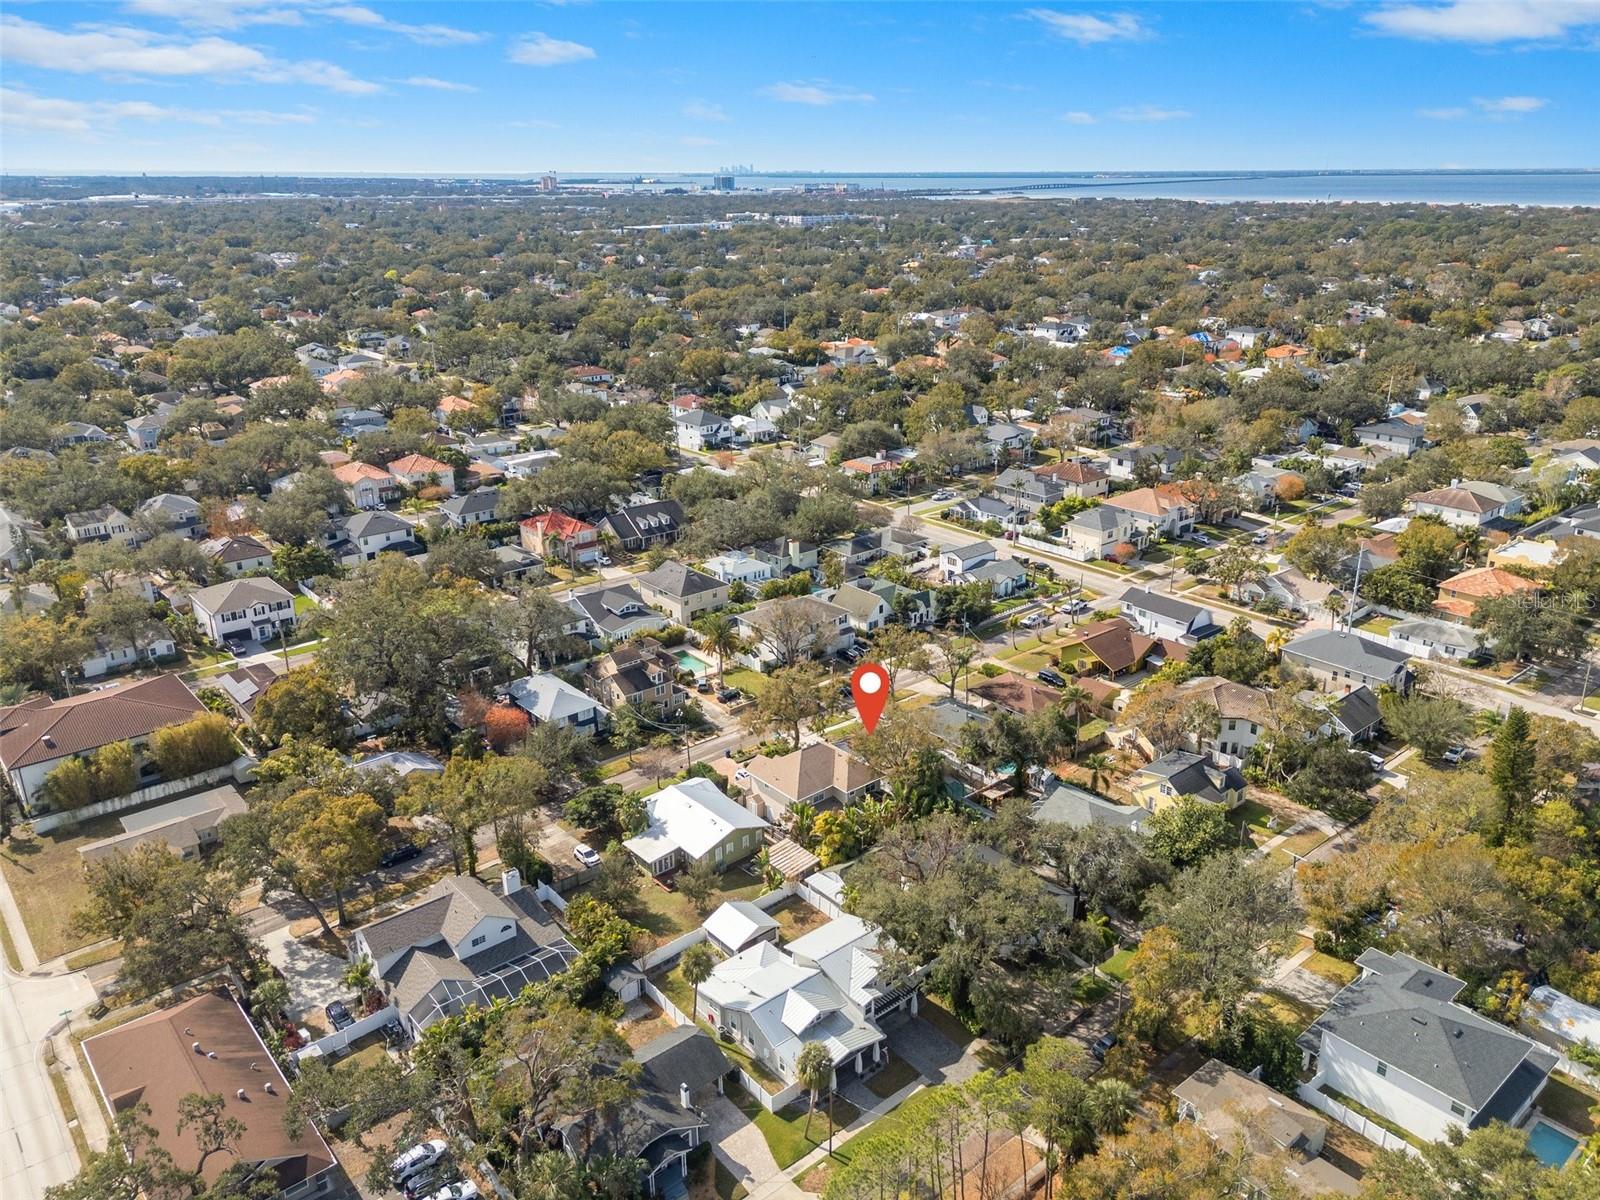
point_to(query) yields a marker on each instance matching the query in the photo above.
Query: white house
(868, 611)
(552, 701)
(254, 608)
(107, 523)
(738, 567)
(957, 560)
(1396, 1042)
(693, 822)
(702, 429)
(1467, 503)
(1159, 615)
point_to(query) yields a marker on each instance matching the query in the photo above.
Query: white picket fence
(1348, 1117)
(339, 1039)
(239, 769)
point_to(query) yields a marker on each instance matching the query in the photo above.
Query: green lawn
(1088, 988)
(1377, 624)
(1565, 1101)
(303, 604)
(45, 873)
(898, 1074)
(746, 680)
(1335, 970)
(1297, 1014)
(1117, 965)
(1254, 817)
(787, 1133)
(668, 914)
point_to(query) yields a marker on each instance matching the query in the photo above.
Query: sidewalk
(783, 1185)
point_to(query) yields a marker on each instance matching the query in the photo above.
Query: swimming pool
(1549, 1145)
(689, 661)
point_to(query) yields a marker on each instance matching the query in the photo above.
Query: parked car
(1196, 536)
(339, 1016)
(1034, 620)
(427, 1182)
(1376, 760)
(1455, 755)
(728, 694)
(944, 494)
(462, 1189)
(1102, 1046)
(1053, 678)
(400, 852)
(703, 685)
(586, 854)
(1261, 538)
(423, 1154)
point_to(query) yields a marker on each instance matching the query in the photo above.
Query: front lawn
(746, 680)
(1334, 970)
(1117, 965)
(45, 873)
(788, 1136)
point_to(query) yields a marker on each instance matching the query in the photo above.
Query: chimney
(267, 1087)
(683, 1095)
(510, 881)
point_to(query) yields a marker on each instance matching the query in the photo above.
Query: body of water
(1563, 188)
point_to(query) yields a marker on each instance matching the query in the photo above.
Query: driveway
(739, 1144)
(314, 976)
(936, 1058)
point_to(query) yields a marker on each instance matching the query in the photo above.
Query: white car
(586, 854)
(1034, 620)
(424, 1154)
(462, 1189)
(944, 494)
(1455, 755)
(1197, 536)
(1376, 760)
(604, 560)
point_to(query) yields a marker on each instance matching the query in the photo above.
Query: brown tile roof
(206, 1045)
(41, 730)
(1071, 472)
(354, 472)
(1231, 700)
(1486, 582)
(1117, 645)
(1016, 694)
(811, 770)
(419, 464)
(1454, 497)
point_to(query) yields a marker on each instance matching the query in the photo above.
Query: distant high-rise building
(548, 183)
(722, 183)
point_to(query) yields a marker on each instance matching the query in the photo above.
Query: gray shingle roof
(1163, 605)
(676, 580)
(1348, 651)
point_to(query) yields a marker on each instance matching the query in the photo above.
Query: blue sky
(452, 88)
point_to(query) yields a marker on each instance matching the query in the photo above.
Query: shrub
(107, 773)
(195, 746)
(505, 726)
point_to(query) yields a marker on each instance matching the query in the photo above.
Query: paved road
(36, 1149)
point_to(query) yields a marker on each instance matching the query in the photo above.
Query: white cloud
(1078, 118)
(219, 14)
(531, 123)
(437, 85)
(1511, 104)
(542, 50)
(693, 140)
(1089, 29)
(123, 51)
(704, 110)
(819, 94)
(1486, 22)
(1442, 114)
(24, 110)
(427, 35)
(1149, 112)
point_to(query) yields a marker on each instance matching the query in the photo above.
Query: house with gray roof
(1341, 661)
(1004, 576)
(1066, 804)
(682, 592)
(1159, 615)
(1424, 637)
(460, 945)
(1179, 773)
(1027, 491)
(1396, 1042)
(612, 612)
(553, 701)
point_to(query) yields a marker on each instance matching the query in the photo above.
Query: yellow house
(1159, 784)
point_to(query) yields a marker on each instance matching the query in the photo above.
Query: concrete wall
(238, 770)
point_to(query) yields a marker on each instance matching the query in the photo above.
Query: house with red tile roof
(418, 470)
(556, 537)
(1461, 593)
(366, 485)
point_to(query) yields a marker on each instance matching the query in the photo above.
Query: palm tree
(771, 877)
(697, 965)
(1111, 1104)
(1012, 625)
(358, 977)
(1098, 765)
(720, 635)
(1277, 640)
(1075, 696)
(813, 1070)
(1486, 721)
(802, 823)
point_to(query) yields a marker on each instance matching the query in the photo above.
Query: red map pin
(870, 687)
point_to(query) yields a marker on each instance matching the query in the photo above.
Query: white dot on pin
(871, 682)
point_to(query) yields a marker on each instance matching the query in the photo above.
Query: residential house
(851, 352)
(1116, 647)
(79, 433)
(152, 1065)
(361, 537)
(693, 822)
(513, 564)
(1467, 504)
(1296, 592)
(955, 561)
(1157, 512)
(39, 734)
(144, 432)
(19, 536)
(1003, 576)
(1394, 435)
(415, 471)
(1341, 661)
(255, 609)
(751, 428)
(1160, 784)
(613, 612)
(640, 673)
(114, 653)
(553, 701)
(786, 556)
(822, 988)
(462, 945)
(1239, 1110)
(980, 510)
(172, 513)
(1461, 593)
(1128, 462)
(642, 525)
(245, 685)
(1527, 553)
(1097, 532)
(238, 554)
(738, 567)
(701, 429)
(1396, 1042)
(367, 486)
(682, 592)
(556, 537)
(1068, 805)
(1004, 440)
(738, 924)
(874, 473)
(779, 632)
(1028, 491)
(822, 775)
(108, 523)
(1243, 715)
(1160, 615)
(186, 826)
(903, 542)
(1354, 716)
(868, 610)
(663, 1123)
(1424, 638)
(477, 507)
(1081, 481)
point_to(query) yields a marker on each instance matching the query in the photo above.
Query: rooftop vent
(240, 1093)
(196, 1046)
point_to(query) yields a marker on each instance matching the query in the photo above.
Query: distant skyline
(318, 87)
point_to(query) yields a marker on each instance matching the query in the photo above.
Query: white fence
(238, 769)
(340, 1039)
(666, 953)
(1348, 1117)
